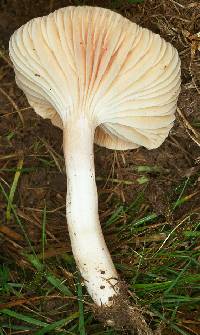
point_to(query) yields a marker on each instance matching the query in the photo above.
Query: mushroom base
(124, 316)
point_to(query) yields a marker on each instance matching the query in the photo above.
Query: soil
(123, 316)
(39, 144)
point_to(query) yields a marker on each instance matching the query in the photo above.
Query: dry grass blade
(28, 300)
(56, 157)
(35, 222)
(6, 157)
(53, 252)
(5, 57)
(3, 92)
(194, 135)
(10, 233)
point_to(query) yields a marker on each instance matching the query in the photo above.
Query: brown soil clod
(124, 316)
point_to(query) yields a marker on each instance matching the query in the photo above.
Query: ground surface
(148, 200)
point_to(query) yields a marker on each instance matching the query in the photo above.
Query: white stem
(90, 251)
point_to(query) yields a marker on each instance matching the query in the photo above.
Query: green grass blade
(178, 278)
(142, 180)
(23, 317)
(179, 330)
(16, 327)
(115, 216)
(17, 219)
(57, 324)
(147, 218)
(191, 234)
(13, 189)
(170, 324)
(35, 262)
(22, 170)
(135, 1)
(44, 240)
(153, 287)
(179, 201)
(57, 283)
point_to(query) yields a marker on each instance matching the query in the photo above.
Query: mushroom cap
(92, 61)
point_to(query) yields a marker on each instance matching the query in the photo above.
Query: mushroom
(103, 79)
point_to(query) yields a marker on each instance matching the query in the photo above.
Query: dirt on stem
(125, 316)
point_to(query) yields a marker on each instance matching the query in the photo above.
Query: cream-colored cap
(91, 60)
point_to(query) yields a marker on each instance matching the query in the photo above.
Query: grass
(81, 327)
(164, 278)
(155, 250)
(13, 188)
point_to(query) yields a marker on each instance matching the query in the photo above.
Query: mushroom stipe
(104, 79)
